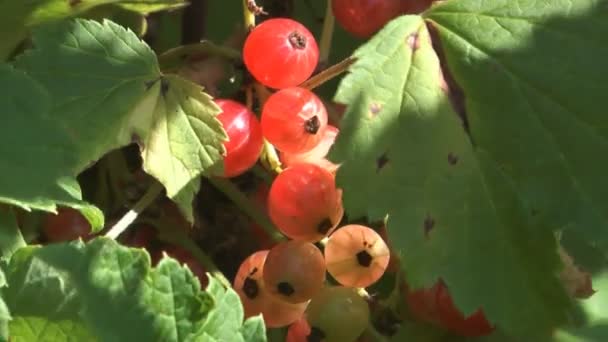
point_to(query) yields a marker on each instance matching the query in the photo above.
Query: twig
(328, 73)
(175, 56)
(153, 191)
(247, 206)
(326, 35)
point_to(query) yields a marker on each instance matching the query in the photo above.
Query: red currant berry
(304, 202)
(363, 18)
(435, 306)
(453, 320)
(244, 137)
(415, 6)
(280, 53)
(294, 120)
(298, 331)
(255, 298)
(183, 256)
(356, 256)
(68, 224)
(294, 271)
(317, 154)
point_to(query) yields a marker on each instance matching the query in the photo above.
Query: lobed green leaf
(453, 213)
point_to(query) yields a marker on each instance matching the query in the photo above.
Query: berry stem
(270, 158)
(248, 16)
(247, 206)
(173, 58)
(328, 73)
(262, 173)
(153, 191)
(326, 35)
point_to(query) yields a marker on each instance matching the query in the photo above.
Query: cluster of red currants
(288, 282)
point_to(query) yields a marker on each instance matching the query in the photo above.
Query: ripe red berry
(452, 319)
(317, 154)
(415, 6)
(280, 53)
(356, 256)
(435, 306)
(249, 285)
(363, 18)
(304, 202)
(245, 137)
(183, 256)
(68, 224)
(294, 271)
(294, 120)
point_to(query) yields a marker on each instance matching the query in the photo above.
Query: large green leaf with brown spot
(454, 212)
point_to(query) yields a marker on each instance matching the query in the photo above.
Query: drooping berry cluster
(287, 282)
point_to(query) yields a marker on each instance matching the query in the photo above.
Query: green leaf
(531, 83)
(149, 6)
(10, 235)
(593, 333)
(225, 322)
(30, 141)
(5, 316)
(185, 140)
(453, 214)
(108, 91)
(26, 329)
(99, 76)
(108, 289)
(18, 17)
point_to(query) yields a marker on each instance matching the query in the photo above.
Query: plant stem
(183, 240)
(153, 191)
(262, 173)
(328, 73)
(248, 16)
(172, 58)
(247, 206)
(326, 35)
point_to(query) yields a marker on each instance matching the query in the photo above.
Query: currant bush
(304, 202)
(280, 53)
(294, 120)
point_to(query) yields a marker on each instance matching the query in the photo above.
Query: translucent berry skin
(245, 139)
(294, 120)
(183, 256)
(356, 256)
(435, 306)
(280, 53)
(304, 202)
(317, 154)
(68, 224)
(294, 271)
(298, 331)
(338, 314)
(249, 285)
(363, 18)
